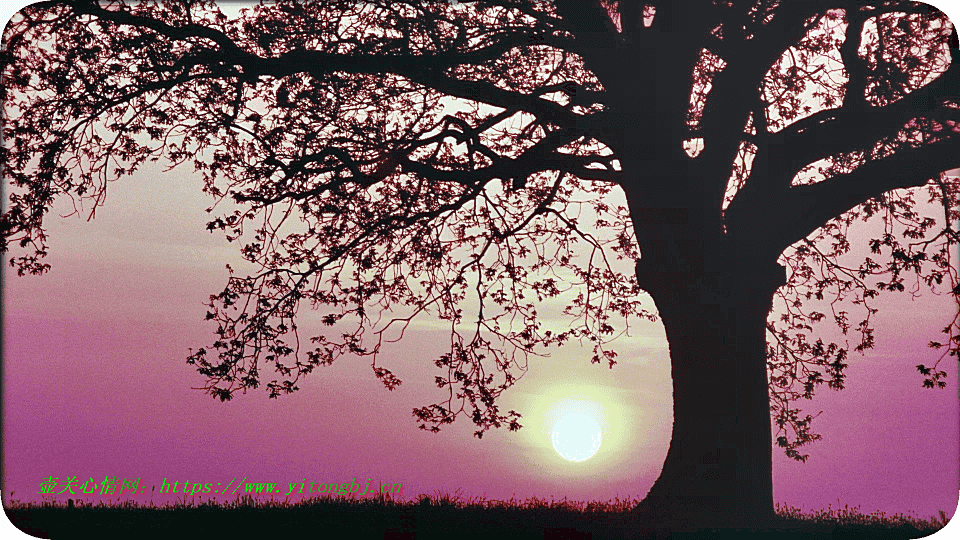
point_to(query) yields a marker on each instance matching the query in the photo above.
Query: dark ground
(424, 519)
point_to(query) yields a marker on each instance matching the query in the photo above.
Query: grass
(441, 516)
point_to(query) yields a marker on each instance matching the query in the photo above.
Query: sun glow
(577, 437)
(608, 428)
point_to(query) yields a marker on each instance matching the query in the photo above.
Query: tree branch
(594, 33)
(851, 127)
(487, 92)
(423, 69)
(539, 157)
(810, 206)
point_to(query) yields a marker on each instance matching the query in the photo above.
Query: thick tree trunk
(718, 470)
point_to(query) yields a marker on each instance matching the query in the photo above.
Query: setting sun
(577, 437)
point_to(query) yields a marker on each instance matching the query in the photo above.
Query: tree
(384, 161)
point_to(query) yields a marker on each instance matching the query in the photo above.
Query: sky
(95, 385)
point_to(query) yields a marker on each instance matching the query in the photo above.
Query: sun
(577, 437)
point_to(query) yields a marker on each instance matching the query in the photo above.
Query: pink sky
(95, 384)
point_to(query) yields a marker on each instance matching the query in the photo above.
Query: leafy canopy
(387, 162)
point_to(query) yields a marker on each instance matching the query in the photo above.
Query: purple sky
(95, 384)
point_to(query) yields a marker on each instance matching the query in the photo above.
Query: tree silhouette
(382, 162)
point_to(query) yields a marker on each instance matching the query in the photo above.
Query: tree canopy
(382, 162)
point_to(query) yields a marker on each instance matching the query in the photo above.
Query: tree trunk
(718, 470)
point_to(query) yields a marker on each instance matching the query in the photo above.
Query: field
(443, 516)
